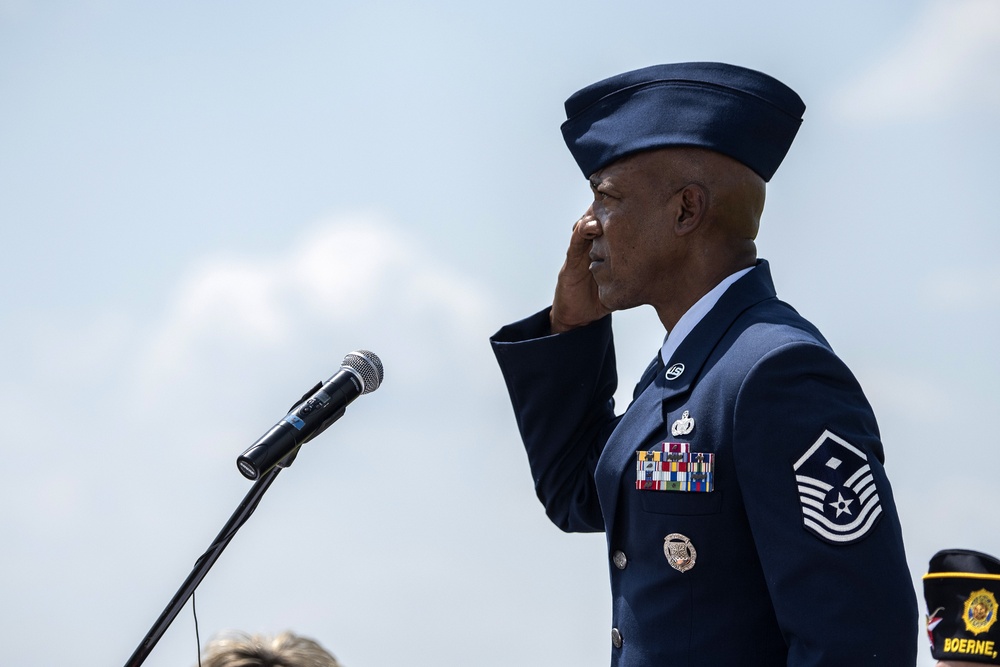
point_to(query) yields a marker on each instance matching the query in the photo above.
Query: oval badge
(674, 372)
(679, 551)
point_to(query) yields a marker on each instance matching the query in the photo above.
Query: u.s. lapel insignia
(837, 490)
(679, 551)
(674, 372)
(684, 425)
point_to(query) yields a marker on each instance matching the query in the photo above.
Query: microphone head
(367, 367)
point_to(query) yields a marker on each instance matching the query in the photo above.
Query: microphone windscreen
(367, 366)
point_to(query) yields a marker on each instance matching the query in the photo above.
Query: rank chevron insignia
(840, 503)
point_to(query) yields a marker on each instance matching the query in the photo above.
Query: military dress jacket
(749, 520)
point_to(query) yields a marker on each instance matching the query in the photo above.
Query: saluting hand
(576, 302)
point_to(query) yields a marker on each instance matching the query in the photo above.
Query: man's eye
(602, 191)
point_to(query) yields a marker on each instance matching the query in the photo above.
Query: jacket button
(616, 638)
(619, 559)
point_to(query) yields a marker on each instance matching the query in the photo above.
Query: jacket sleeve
(809, 463)
(561, 387)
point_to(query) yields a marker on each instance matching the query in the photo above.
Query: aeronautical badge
(840, 503)
(679, 551)
(684, 425)
(980, 611)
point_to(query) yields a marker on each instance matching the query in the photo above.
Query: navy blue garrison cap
(738, 112)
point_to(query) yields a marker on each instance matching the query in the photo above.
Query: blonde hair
(241, 649)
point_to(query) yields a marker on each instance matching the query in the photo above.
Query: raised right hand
(576, 302)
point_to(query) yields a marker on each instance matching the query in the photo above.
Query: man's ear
(693, 203)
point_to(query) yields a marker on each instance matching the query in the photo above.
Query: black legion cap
(961, 589)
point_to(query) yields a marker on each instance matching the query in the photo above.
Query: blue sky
(205, 206)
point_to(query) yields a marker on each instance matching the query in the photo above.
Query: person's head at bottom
(961, 588)
(241, 649)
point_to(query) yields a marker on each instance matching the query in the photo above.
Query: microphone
(360, 373)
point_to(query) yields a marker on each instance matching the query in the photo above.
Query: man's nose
(588, 226)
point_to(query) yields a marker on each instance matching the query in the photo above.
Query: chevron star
(842, 505)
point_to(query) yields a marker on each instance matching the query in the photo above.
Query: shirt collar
(694, 315)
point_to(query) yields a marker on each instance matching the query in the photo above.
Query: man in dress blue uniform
(749, 520)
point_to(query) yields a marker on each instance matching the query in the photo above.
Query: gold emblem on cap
(980, 612)
(684, 425)
(679, 551)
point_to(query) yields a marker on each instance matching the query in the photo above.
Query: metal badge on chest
(679, 551)
(684, 425)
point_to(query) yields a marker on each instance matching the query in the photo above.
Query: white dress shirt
(694, 314)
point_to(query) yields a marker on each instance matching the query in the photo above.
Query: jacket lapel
(646, 415)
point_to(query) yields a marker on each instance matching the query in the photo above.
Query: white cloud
(947, 59)
(341, 266)
(346, 277)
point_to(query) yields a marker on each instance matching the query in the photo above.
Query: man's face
(633, 256)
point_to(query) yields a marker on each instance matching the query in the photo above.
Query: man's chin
(614, 302)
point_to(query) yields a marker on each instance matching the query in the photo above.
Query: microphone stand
(205, 562)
